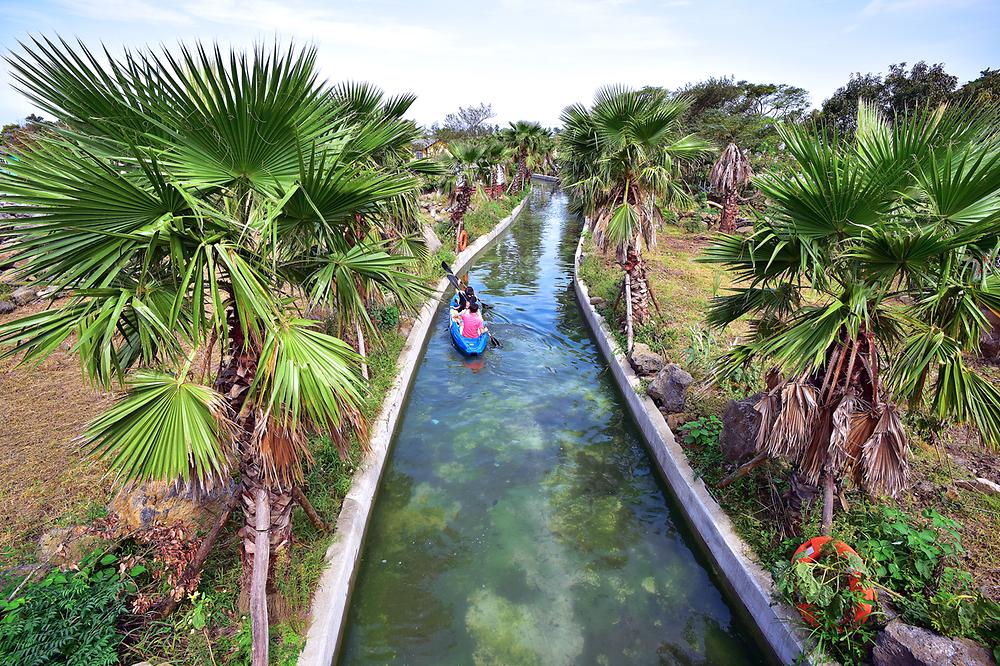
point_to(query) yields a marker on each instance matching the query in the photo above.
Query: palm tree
(867, 284)
(620, 159)
(191, 201)
(731, 172)
(524, 139)
(495, 153)
(468, 159)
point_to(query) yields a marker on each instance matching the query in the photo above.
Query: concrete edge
(747, 581)
(332, 595)
(547, 179)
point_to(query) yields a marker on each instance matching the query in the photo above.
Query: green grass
(486, 213)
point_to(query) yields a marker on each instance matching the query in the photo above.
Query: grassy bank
(933, 528)
(483, 214)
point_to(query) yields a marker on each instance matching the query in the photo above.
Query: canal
(520, 519)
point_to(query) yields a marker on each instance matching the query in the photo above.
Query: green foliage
(68, 617)
(844, 251)
(620, 160)
(899, 93)
(724, 110)
(386, 317)
(905, 556)
(918, 559)
(702, 432)
(824, 584)
(957, 608)
(702, 350)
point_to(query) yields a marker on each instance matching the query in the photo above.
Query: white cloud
(125, 10)
(876, 7)
(303, 20)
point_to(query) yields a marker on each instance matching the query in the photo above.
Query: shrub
(68, 617)
(918, 560)
(702, 432)
(701, 350)
(385, 316)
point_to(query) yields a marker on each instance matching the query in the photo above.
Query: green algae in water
(519, 520)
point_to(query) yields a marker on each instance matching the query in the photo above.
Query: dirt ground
(47, 480)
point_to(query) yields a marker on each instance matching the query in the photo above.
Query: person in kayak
(472, 323)
(465, 299)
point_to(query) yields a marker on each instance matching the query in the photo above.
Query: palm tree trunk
(233, 382)
(629, 335)
(522, 171)
(258, 591)
(730, 210)
(829, 491)
(635, 267)
(462, 205)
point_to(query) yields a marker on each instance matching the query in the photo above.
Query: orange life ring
(807, 552)
(463, 240)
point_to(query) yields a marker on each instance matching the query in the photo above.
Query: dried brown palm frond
(883, 456)
(814, 458)
(767, 407)
(793, 426)
(862, 425)
(282, 450)
(731, 171)
(840, 428)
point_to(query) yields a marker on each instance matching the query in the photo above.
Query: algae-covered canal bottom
(520, 519)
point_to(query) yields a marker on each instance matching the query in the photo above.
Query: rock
(597, 301)
(50, 292)
(6, 307)
(980, 485)
(744, 230)
(675, 421)
(66, 546)
(24, 295)
(740, 423)
(140, 506)
(669, 388)
(645, 361)
(901, 644)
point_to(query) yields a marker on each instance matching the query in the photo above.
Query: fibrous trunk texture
(462, 206)
(233, 382)
(730, 211)
(522, 172)
(636, 269)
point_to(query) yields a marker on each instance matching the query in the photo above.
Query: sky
(531, 58)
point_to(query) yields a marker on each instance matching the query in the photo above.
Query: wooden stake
(361, 348)
(628, 314)
(258, 584)
(743, 469)
(303, 501)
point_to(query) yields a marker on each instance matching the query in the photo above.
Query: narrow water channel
(520, 520)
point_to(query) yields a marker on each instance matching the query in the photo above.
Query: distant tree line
(902, 91)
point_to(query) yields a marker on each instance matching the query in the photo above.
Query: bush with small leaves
(67, 617)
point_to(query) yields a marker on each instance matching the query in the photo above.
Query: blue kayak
(469, 346)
